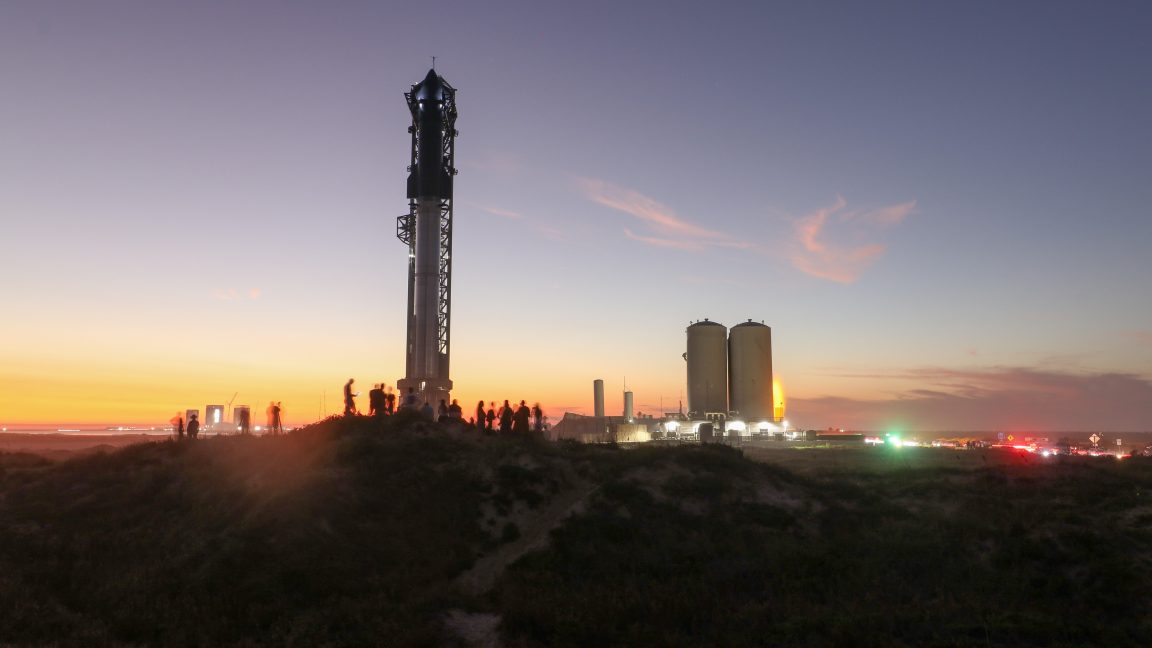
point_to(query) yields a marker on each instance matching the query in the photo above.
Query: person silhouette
(442, 411)
(389, 402)
(454, 411)
(349, 398)
(277, 424)
(490, 417)
(427, 411)
(506, 418)
(411, 401)
(538, 418)
(178, 425)
(376, 400)
(520, 419)
(480, 416)
(193, 427)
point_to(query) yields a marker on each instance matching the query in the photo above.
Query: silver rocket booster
(427, 229)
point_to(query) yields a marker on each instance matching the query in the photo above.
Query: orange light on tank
(777, 400)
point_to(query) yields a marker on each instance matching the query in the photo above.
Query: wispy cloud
(993, 398)
(232, 294)
(503, 213)
(662, 242)
(531, 224)
(494, 163)
(1143, 337)
(667, 229)
(815, 252)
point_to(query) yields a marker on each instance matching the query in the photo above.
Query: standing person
(411, 401)
(376, 400)
(506, 418)
(389, 402)
(350, 398)
(454, 411)
(245, 421)
(490, 417)
(442, 411)
(193, 427)
(520, 419)
(269, 417)
(538, 419)
(480, 417)
(277, 422)
(427, 411)
(178, 425)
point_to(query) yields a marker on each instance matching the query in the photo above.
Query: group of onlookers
(510, 419)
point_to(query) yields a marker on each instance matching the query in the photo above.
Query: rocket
(427, 230)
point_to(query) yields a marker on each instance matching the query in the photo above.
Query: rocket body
(427, 229)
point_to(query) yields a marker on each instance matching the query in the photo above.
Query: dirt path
(483, 575)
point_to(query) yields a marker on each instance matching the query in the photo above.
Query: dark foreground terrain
(344, 534)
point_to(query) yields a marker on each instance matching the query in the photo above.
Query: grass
(350, 533)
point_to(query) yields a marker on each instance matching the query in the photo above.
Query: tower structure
(427, 230)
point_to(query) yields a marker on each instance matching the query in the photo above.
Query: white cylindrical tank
(750, 371)
(598, 397)
(628, 406)
(707, 358)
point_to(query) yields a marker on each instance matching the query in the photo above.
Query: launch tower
(427, 230)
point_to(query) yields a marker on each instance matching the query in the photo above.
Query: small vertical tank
(598, 397)
(750, 371)
(707, 358)
(628, 406)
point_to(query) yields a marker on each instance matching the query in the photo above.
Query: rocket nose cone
(430, 88)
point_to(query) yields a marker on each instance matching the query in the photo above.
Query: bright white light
(736, 426)
(671, 426)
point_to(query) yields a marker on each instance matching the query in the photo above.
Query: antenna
(433, 62)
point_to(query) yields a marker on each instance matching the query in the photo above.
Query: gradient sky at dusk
(942, 209)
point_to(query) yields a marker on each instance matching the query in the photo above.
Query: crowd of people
(507, 418)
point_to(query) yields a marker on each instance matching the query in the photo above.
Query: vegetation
(353, 533)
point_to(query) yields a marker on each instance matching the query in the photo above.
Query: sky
(941, 209)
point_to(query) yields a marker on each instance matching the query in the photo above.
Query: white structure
(750, 372)
(707, 358)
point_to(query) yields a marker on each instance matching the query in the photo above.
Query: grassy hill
(344, 533)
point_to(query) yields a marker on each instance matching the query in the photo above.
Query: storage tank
(750, 371)
(628, 406)
(598, 398)
(707, 358)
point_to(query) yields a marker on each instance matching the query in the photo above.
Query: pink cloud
(816, 255)
(671, 231)
(663, 242)
(504, 213)
(1143, 337)
(891, 215)
(232, 294)
(992, 399)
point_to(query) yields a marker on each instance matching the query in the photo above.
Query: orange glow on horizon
(777, 399)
